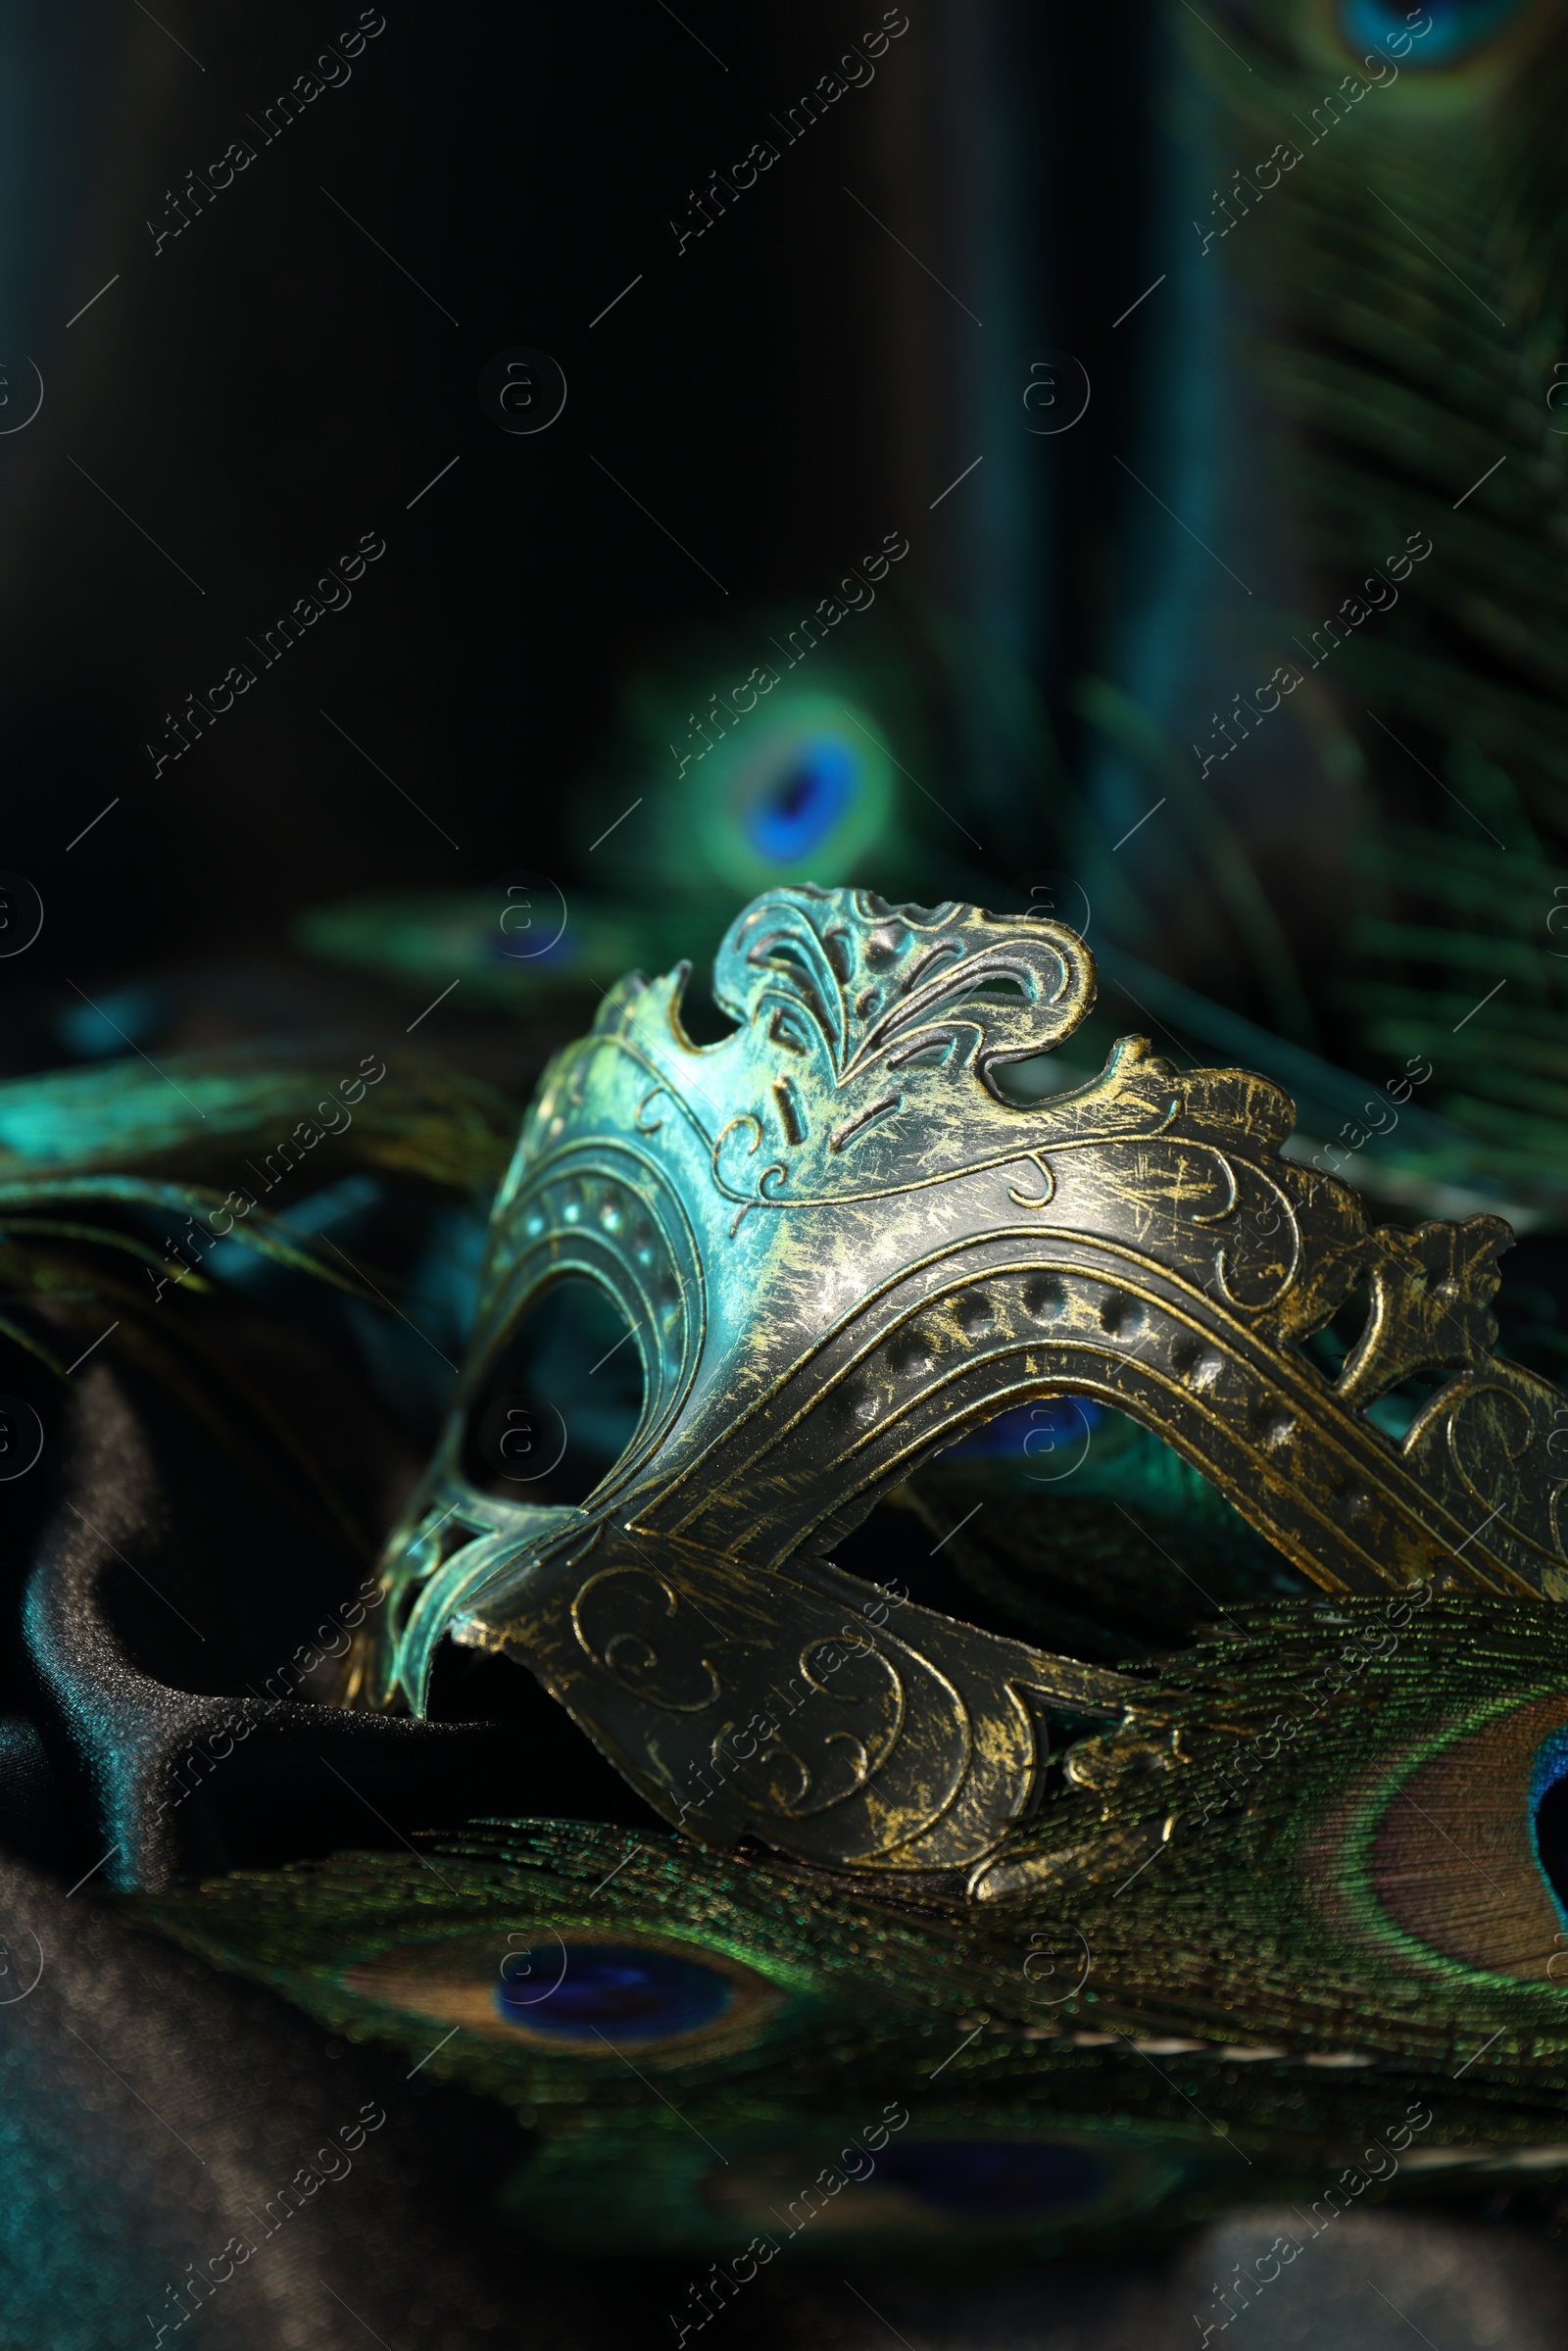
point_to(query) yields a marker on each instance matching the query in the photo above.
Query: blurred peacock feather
(1408, 272)
(893, 742)
(121, 1182)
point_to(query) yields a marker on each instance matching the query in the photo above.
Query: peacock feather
(132, 1196)
(1391, 204)
(1311, 1885)
(1470, 975)
(819, 745)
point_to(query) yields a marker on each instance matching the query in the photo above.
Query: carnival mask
(1149, 1940)
(839, 1248)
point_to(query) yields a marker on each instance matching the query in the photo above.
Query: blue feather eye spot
(573, 1991)
(801, 790)
(795, 814)
(1003, 2179)
(959, 2182)
(1454, 28)
(1549, 1828)
(569, 1993)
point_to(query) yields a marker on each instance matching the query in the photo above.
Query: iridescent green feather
(1205, 1980)
(78, 1145)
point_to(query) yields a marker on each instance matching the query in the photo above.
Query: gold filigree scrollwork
(847, 1759)
(630, 1623)
(1431, 1310)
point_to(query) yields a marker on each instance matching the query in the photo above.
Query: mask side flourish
(839, 1248)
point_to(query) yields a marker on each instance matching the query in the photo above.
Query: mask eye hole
(560, 1401)
(1059, 1521)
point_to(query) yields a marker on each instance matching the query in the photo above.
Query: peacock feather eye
(806, 787)
(1465, 1852)
(802, 803)
(1549, 1818)
(572, 1992)
(623, 1991)
(962, 2176)
(1456, 29)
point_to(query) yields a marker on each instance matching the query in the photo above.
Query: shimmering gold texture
(839, 1248)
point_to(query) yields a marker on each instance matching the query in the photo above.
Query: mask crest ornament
(839, 1248)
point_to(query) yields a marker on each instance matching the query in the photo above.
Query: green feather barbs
(1285, 157)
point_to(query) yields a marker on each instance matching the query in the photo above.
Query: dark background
(269, 385)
